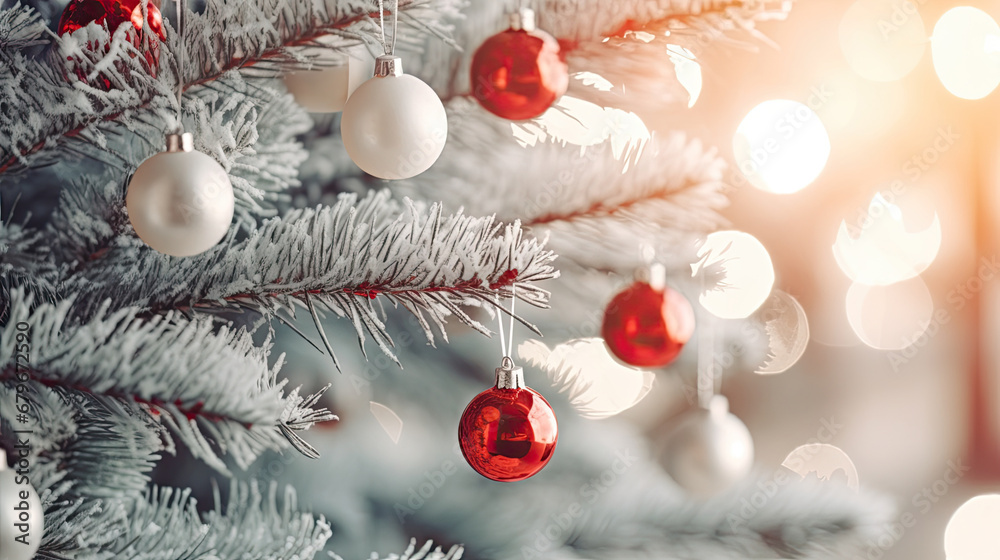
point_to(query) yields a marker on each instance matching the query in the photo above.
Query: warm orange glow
(749, 274)
(972, 531)
(882, 40)
(965, 53)
(781, 146)
(880, 251)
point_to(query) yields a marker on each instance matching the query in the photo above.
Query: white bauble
(180, 202)
(708, 450)
(326, 90)
(22, 520)
(394, 126)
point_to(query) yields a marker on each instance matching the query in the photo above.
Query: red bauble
(113, 13)
(517, 74)
(508, 434)
(647, 327)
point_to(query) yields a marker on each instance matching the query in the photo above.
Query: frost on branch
(165, 524)
(592, 213)
(338, 259)
(230, 35)
(209, 386)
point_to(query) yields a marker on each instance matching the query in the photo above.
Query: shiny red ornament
(508, 432)
(647, 326)
(111, 14)
(517, 74)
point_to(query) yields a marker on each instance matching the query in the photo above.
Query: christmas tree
(175, 407)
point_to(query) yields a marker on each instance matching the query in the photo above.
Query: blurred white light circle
(781, 146)
(972, 532)
(597, 385)
(823, 462)
(881, 251)
(688, 71)
(890, 317)
(965, 48)
(748, 274)
(882, 40)
(787, 329)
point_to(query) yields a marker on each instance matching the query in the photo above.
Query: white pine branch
(338, 259)
(590, 211)
(210, 386)
(259, 38)
(166, 525)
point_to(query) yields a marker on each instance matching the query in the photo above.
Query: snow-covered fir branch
(165, 524)
(580, 199)
(93, 77)
(426, 552)
(209, 386)
(25, 263)
(338, 259)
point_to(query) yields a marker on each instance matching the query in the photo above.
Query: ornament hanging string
(389, 48)
(507, 347)
(708, 383)
(181, 55)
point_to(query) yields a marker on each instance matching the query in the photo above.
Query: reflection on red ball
(113, 13)
(647, 327)
(518, 74)
(508, 434)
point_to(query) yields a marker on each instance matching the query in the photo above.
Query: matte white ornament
(180, 201)
(394, 126)
(22, 520)
(709, 450)
(326, 90)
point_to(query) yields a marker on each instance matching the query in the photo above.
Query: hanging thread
(386, 46)
(181, 52)
(507, 343)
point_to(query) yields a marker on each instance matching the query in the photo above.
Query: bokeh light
(388, 419)
(688, 71)
(597, 385)
(882, 40)
(573, 121)
(822, 461)
(965, 49)
(890, 317)
(781, 146)
(748, 274)
(787, 329)
(879, 250)
(972, 531)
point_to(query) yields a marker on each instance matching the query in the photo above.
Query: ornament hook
(389, 48)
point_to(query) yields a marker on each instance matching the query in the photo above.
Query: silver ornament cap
(523, 20)
(388, 65)
(180, 142)
(509, 376)
(654, 274)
